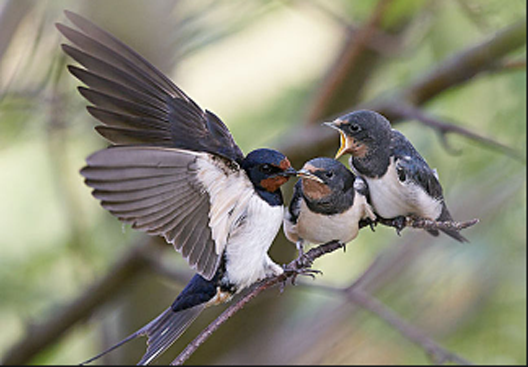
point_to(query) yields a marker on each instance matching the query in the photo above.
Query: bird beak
(344, 145)
(290, 171)
(343, 140)
(304, 173)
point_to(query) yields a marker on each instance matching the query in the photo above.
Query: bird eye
(329, 174)
(354, 128)
(266, 168)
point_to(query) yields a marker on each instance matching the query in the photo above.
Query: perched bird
(328, 203)
(174, 170)
(399, 180)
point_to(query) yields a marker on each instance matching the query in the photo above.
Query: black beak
(290, 171)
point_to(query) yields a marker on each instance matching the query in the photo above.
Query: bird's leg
(300, 249)
(303, 264)
(399, 223)
(372, 223)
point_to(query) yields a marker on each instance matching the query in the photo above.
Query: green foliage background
(258, 65)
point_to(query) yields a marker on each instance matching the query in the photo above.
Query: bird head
(323, 177)
(361, 131)
(268, 169)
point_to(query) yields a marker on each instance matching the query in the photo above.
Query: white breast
(247, 247)
(318, 228)
(391, 198)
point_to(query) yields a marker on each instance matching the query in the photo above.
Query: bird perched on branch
(174, 170)
(400, 181)
(327, 205)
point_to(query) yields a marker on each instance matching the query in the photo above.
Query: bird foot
(304, 271)
(399, 223)
(372, 223)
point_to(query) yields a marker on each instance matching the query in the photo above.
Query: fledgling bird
(327, 205)
(400, 181)
(174, 170)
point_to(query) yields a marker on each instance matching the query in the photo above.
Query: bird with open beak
(400, 182)
(327, 205)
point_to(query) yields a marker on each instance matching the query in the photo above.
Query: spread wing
(411, 165)
(136, 103)
(191, 199)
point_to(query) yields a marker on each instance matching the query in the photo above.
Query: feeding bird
(174, 170)
(328, 203)
(400, 182)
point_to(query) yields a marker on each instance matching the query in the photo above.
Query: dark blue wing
(411, 165)
(136, 103)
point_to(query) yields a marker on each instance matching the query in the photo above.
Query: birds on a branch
(400, 182)
(327, 205)
(174, 170)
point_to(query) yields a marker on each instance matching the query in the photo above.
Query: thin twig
(291, 271)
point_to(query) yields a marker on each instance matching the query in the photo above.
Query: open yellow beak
(344, 145)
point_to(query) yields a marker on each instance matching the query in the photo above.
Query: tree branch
(438, 354)
(301, 266)
(407, 111)
(44, 334)
(290, 271)
(450, 73)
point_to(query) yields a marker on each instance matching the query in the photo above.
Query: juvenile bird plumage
(327, 205)
(399, 180)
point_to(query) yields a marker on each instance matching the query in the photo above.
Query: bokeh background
(74, 280)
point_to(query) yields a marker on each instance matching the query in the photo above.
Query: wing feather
(191, 199)
(154, 110)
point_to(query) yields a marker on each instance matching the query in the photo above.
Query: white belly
(247, 248)
(318, 229)
(391, 198)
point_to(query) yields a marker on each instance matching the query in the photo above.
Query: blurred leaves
(56, 240)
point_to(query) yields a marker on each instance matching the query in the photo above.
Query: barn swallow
(399, 180)
(174, 170)
(328, 203)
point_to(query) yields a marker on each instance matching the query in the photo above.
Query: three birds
(174, 170)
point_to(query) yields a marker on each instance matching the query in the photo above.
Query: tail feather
(115, 346)
(161, 332)
(446, 216)
(166, 329)
(455, 234)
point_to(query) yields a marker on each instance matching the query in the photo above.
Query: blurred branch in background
(438, 354)
(108, 287)
(453, 72)
(370, 43)
(409, 112)
(12, 12)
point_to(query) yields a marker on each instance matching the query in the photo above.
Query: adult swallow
(174, 170)
(399, 180)
(328, 203)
